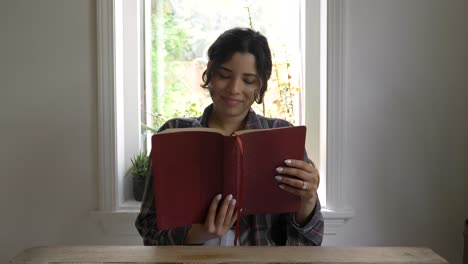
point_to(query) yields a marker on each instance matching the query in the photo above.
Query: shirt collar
(253, 121)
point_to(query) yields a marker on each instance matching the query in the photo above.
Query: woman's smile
(231, 101)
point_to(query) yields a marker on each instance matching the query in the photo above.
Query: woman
(237, 74)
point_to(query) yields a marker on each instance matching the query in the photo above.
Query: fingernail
(229, 197)
(278, 178)
(233, 202)
(281, 186)
(287, 162)
(219, 196)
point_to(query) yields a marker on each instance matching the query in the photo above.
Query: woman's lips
(231, 101)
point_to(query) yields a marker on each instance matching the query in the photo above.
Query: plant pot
(138, 187)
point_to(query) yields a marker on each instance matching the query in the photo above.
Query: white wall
(405, 124)
(48, 117)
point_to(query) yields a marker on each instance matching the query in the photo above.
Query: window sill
(122, 222)
(335, 219)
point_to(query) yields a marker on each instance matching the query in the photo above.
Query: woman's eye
(249, 81)
(223, 76)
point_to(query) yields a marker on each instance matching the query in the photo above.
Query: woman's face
(233, 85)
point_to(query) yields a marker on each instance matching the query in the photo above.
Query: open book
(192, 165)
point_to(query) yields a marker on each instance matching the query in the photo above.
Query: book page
(191, 129)
(258, 130)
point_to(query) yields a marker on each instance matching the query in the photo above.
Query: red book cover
(192, 165)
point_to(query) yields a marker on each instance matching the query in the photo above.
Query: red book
(192, 165)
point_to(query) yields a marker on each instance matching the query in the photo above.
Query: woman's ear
(209, 67)
(257, 96)
(210, 89)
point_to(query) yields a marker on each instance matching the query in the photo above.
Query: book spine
(240, 185)
(230, 178)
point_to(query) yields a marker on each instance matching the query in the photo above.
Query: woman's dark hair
(243, 40)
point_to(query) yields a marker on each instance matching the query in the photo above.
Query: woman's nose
(235, 85)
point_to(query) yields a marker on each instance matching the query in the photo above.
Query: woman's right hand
(217, 222)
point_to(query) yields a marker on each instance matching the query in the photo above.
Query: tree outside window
(181, 32)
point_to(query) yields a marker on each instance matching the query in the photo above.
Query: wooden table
(194, 254)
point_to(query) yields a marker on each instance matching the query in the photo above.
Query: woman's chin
(233, 111)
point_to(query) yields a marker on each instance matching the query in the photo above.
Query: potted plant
(139, 172)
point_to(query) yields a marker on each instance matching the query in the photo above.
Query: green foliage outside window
(176, 55)
(171, 51)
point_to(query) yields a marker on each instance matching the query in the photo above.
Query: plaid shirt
(258, 230)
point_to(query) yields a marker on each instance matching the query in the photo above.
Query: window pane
(183, 30)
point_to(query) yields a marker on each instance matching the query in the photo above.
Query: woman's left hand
(302, 179)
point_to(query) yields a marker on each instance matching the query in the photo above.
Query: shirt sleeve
(146, 221)
(311, 234)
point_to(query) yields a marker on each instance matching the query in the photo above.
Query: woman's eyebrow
(225, 69)
(244, 74)
(250, 75)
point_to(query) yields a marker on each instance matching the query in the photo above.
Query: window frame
(115, 211)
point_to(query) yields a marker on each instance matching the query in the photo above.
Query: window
(181, 32)
(124, 72)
